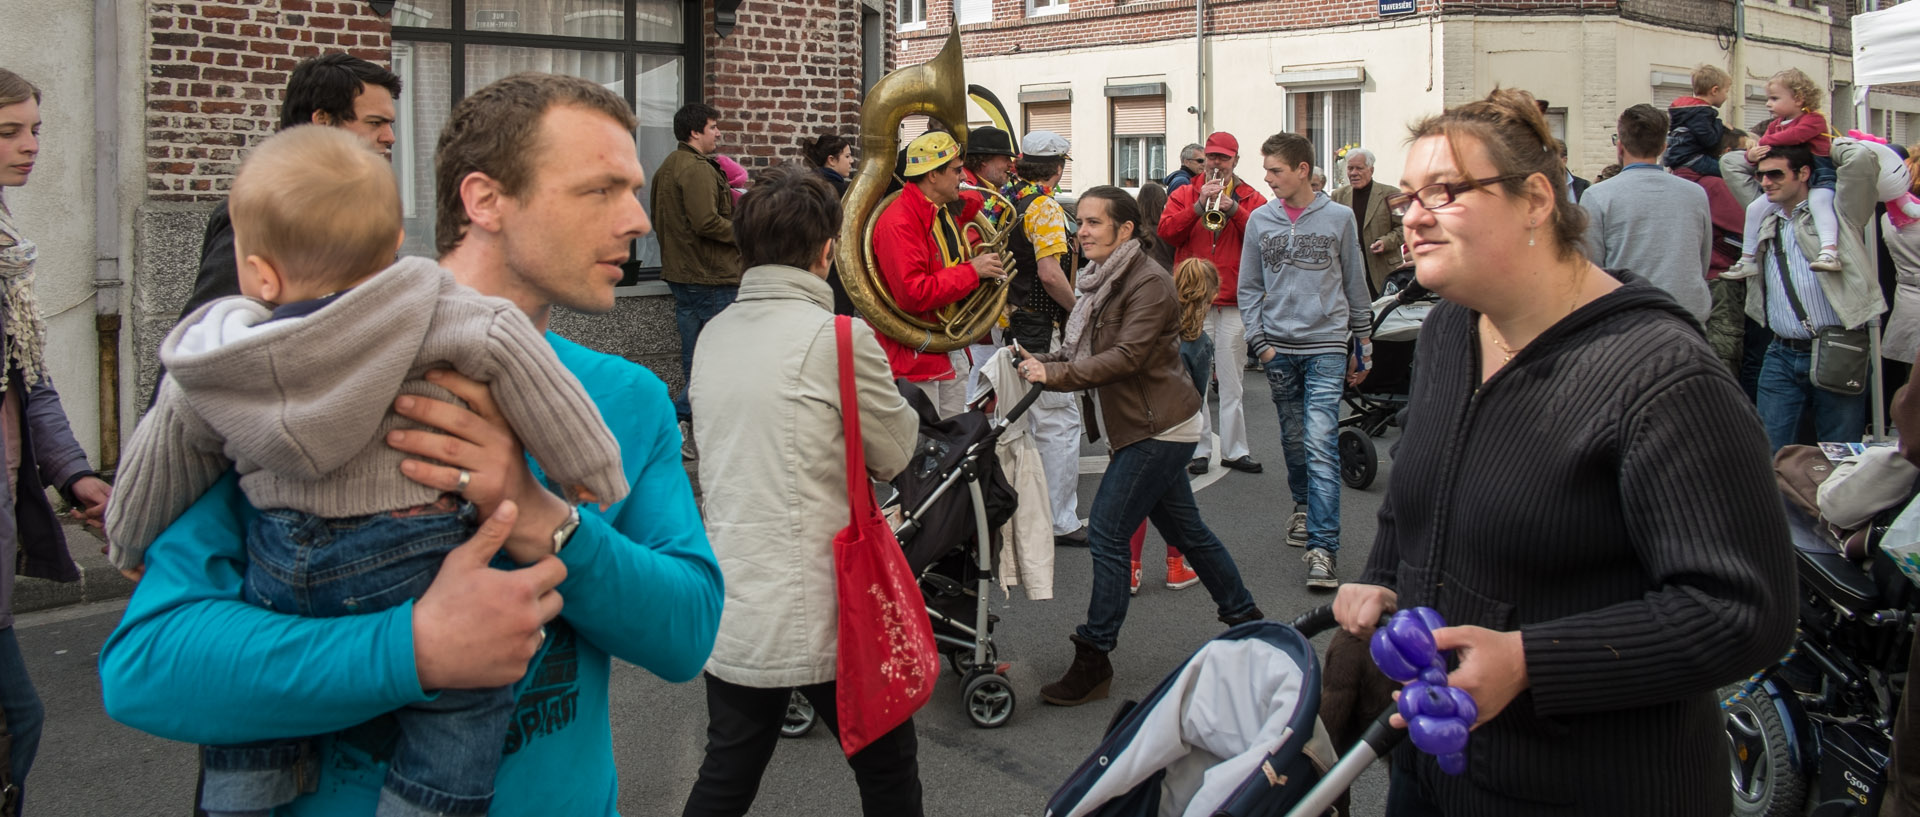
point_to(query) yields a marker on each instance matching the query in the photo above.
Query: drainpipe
(1200, 65)
(107, 283)
(1738, 93)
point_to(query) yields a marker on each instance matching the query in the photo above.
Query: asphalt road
(90, 765)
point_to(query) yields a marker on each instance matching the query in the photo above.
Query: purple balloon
(1463, 705)
(1414, 641)
(1438, 736)
(1434, 675)
(1409, 700)
(1389, 659)
(1453, 764)
(1430, 617)
(1431, 700)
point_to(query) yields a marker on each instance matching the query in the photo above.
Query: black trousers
(743, 726)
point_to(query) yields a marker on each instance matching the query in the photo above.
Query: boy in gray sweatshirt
(292, 386)
(1303, 295)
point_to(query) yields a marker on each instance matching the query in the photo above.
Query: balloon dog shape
(1438, 716)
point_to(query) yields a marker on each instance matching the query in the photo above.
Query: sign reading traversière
(1392, 7)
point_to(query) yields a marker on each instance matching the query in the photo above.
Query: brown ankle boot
(1087, 680)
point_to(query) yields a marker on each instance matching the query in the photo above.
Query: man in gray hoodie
(1303, 294)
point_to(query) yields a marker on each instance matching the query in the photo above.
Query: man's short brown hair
(786, 217)
(493, 132)
(1708, 77)
(1643, 130)
(1292, 148)
(319, 205)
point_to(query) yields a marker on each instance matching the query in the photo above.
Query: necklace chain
(1506, 350)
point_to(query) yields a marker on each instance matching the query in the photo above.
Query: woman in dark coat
(1581, 490)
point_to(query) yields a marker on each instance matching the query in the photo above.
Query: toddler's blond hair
(318, 204)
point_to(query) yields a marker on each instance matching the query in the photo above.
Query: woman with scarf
(33, 432)
(1122, 351)
(832, 157)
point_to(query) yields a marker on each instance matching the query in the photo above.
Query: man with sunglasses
(920, 250)
(1654, 225)
(1849, 297)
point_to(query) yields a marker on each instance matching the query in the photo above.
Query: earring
(1530, 235)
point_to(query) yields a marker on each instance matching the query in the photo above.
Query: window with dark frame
(647, 51)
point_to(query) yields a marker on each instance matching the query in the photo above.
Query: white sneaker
(1827, 262)
(1741, 269)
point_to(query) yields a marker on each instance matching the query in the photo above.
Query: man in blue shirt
(539, 180)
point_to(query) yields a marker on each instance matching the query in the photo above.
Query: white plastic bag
(1902, 542)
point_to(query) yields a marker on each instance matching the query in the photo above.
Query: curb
(99, 580)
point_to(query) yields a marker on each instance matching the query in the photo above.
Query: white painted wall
(1593, 66)
(51, 43)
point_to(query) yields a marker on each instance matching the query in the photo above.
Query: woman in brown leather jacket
(1122, 351)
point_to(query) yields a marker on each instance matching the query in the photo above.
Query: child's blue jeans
(310, 566)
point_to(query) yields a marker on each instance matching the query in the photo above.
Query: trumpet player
(1208, 219)
(922, 255)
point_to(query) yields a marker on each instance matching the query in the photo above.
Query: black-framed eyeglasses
(1441, 194)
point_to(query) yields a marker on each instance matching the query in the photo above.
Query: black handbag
(1842, 357)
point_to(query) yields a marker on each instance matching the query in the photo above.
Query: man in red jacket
(917, 242)
(1183, 225)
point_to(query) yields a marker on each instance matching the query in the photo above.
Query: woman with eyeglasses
(1580, 490)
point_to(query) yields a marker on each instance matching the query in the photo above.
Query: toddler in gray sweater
(292, 386)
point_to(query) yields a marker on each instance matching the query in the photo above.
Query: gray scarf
(1095, 286)
(26, 335)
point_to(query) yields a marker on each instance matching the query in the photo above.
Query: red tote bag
(887, 663)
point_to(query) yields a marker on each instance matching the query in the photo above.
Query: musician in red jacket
(917, 242)
(1183, 224)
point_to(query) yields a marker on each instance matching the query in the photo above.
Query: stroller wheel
(989, 700)
(962, 660)
(800, 718)
(1358, 462)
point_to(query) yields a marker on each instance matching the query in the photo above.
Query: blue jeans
(1786, 393)
(1148, 480)
(1704, 165)
(1306, 389)
(306, 565)
(23, 710)
(693, 306)
(1197, 356)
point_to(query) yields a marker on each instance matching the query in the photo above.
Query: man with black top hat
(989, 158)
(1039, 297)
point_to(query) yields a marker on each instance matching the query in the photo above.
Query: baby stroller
(949, 503)
(1231, 733)
(1377, 402)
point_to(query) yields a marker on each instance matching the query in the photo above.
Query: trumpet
(1215, 219)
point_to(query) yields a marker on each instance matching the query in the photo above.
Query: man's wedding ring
(466, 477)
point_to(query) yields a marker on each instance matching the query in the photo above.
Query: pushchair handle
(1320, 619)
(1026, 402)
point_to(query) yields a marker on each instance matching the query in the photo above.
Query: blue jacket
(191, 661)
(1695, 131)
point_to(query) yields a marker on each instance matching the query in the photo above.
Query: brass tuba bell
(938, 89)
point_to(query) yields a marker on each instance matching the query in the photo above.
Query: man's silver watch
(567, 526)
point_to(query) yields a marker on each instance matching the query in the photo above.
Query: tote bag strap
(859, 491)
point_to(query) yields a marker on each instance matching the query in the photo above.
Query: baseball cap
(929, 152)
(1223, 142)
(1043, 143)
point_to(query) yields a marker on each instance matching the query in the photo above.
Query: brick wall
(1092, 23)
(217, 70)
(786, 75)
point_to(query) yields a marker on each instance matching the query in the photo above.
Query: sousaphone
(937, 89)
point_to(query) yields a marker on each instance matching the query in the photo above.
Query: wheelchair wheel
(800, 717)
(1765, 782)
(1358, 462)
(989, 700)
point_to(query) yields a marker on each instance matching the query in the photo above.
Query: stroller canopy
(1227, 733)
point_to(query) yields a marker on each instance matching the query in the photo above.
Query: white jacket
(766, 418)
(1028, 536)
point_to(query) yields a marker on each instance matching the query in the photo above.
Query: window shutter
(1140, 116)
(911, 128)
(1664, 95)
(1056, 117)
(975, 11)
(1756, 113)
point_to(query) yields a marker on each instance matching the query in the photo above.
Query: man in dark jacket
(1192, 162)
(337, 90)
(692, 211)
